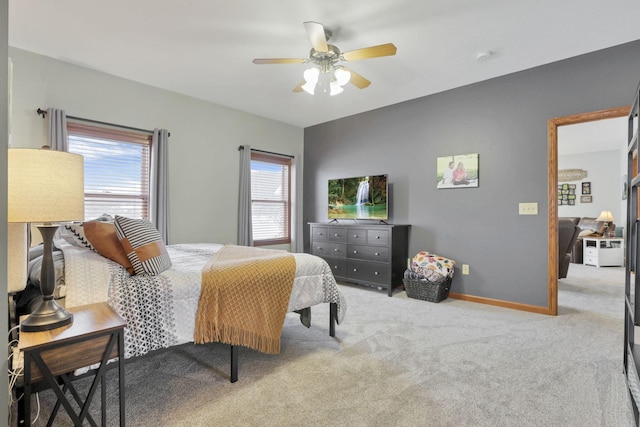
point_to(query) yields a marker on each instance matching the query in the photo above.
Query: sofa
(588, 227)
(567, 234)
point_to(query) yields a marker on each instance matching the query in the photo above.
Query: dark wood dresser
(370, 255)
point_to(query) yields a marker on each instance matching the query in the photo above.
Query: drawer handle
(375, 273)
(355, 269)
(319, 234)
(335, 267)
(377, 254)
(335, 234)
(355, 252)
(377, 237)
(319, 248)
(336, 250)
(355, 235)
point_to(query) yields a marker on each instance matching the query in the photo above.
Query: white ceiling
(601, 135)
(204, 48)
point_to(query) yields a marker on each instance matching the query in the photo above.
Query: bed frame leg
(305, 316)
(234, 363)
(333, 315)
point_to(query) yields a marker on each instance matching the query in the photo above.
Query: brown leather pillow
(102, 235)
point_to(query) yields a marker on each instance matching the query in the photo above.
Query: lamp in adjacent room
(607, 217)
(45, 187)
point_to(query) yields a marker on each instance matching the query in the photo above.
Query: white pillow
(584, 233)
(73, 232)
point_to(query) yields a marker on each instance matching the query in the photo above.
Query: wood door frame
(553, 188)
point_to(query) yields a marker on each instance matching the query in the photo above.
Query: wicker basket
(426, 290)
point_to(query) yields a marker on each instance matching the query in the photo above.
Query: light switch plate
(529, 208)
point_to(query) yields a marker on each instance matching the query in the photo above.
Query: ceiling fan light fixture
(311, 78)
(335, 88)
(309, 88)
(342, 76)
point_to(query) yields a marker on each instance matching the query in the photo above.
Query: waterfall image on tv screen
(363, 197)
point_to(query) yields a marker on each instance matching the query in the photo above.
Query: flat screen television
(361, 197)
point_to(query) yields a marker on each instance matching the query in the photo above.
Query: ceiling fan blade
(279, 61)
(357, 80)
(299, 87)
(317, 36)
(388, 49)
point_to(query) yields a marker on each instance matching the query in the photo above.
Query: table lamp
(17, 257)
(45, 186)
(607, 217)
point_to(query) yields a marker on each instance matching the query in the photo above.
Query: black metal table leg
(234, 363)
(121, 376)
(333, 316)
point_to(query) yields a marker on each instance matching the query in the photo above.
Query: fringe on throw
(228, 334)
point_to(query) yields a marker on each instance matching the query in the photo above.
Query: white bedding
(160, 310)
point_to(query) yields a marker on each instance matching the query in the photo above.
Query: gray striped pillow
(143, 245)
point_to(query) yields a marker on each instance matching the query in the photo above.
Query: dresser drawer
(590, 259)
(319, 234)
(378, 237)
(338, 266)
(337, 234)
(328, 249)
(371, 253)
(373, 272)
(590, 251)
(357, 236)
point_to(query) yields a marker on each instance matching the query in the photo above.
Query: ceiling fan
(327, 75)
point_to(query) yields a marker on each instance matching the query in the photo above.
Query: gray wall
(505, 121)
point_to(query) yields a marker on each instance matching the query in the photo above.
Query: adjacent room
(311, 213)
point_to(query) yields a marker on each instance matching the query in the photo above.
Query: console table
(603, 251)
(95, 336)
(370, 255)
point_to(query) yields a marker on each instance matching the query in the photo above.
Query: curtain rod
(43, 113)
(268, 152)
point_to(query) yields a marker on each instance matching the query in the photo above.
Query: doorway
(553, 125)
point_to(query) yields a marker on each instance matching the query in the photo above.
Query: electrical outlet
(18, 358)
(465, 268)
(528, 208)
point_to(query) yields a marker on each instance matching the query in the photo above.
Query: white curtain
(159, 197)
(297, 238)
(57, 137)
(245, 229)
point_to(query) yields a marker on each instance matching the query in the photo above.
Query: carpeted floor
(403, 362)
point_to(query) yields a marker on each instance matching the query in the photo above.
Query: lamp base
(49, 315)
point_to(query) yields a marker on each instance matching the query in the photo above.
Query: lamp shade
(17, 257)
(44, 186)
(605, 216)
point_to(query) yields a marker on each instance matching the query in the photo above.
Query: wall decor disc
(571, 174)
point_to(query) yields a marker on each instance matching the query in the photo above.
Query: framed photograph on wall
(586, 199)
(458, 171)
(567, 194)
(586, 188)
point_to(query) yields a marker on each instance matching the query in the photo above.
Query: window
(270, 199)
(116, 169)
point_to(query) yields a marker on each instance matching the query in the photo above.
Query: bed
(160, 310)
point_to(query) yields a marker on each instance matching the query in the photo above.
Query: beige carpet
(404, 362)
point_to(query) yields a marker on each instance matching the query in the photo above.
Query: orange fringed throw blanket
(244, 297)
